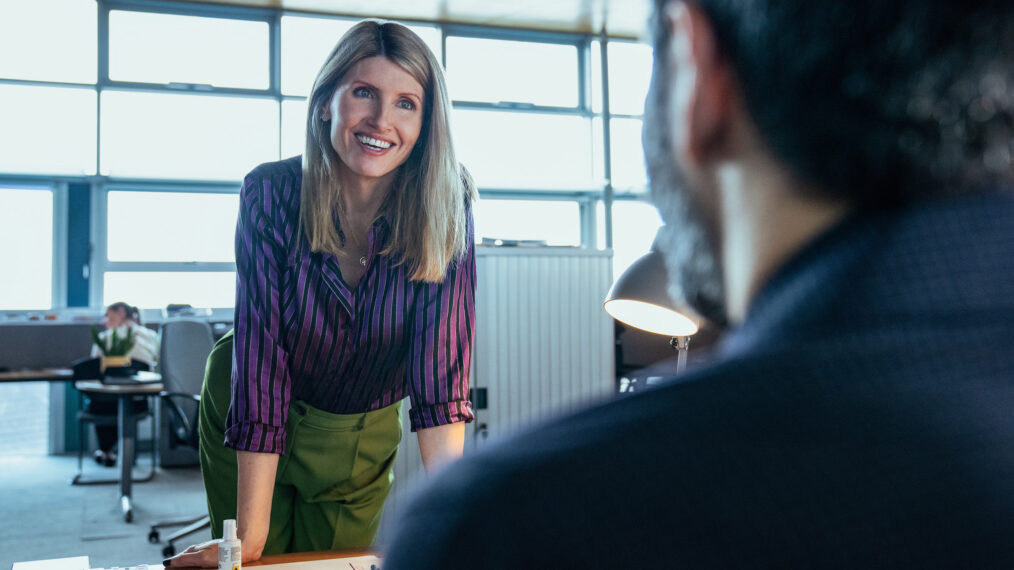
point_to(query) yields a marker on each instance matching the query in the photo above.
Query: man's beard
(695, 276)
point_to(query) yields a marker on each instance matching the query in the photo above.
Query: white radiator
(543, 346)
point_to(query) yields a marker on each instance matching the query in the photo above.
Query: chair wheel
(128, 516)
(168, 551)
(153, 536)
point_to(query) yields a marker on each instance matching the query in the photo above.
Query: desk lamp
(640, 298)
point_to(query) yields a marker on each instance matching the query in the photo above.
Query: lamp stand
(680, 344)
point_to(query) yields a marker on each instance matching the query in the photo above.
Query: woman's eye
(361, 92)
(406, 104)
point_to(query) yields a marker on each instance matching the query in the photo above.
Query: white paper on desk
(73, 563)
(155, 566)
(355, 563)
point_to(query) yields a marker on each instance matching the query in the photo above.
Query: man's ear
(702, 97)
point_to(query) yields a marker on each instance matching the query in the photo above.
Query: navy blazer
(861, 417)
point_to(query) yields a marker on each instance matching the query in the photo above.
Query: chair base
(193, 524)
(79, 478)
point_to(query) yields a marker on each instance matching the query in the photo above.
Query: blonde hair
(427, 203)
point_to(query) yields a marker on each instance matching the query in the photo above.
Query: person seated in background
(121, 318)
(837, 183)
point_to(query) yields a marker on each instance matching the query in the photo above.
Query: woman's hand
(203, 555)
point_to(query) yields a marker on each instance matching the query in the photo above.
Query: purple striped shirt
(302, 333)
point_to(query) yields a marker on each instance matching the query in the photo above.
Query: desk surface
(144, 387)
(37, 375)
(309, 557)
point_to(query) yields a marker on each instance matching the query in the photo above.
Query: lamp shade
(640, 298)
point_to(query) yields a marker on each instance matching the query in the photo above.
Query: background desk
(37, 375)
(127, 426)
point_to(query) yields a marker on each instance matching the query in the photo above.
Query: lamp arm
(680, 344)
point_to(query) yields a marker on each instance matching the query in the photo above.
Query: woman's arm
(439, 363)
(260, 365)
(255, 487)
(441, 445)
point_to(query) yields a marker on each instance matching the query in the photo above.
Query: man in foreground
(836, 179)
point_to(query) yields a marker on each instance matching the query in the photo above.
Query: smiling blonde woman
(355, 289)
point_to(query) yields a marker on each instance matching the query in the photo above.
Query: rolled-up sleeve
(261, 384)
(440, 345)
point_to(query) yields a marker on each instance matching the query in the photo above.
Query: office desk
(127, 427)
(309, 557)
(37, 375)
(81, 562)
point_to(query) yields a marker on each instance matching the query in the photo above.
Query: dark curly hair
(879, 102)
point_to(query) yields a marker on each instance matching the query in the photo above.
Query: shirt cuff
(433, 415)
(257, 437)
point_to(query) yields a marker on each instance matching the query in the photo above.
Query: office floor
(42, 516)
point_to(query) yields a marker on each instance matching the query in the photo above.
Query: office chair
(184, 353)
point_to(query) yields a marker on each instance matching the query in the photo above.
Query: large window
(167, 247)
(551, 222)
(293, 127)
(307, 41)
(153, 111)
(26, 232)
(635, 224)
(186, 136)
(160, 288)
(629, 66)
(627, 154)
(49, 40)
(629, 75)
(47, 129)
(525, 150)
(218, 52)
(633, 220)
(502, 71)
(170, 226)
(24, 419)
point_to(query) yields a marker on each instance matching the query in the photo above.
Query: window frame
(268, 16)
(578, 41)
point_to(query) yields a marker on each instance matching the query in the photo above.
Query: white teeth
(375, 143)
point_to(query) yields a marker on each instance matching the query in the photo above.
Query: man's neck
(765, 219)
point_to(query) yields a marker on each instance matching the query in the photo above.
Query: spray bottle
(230, 552)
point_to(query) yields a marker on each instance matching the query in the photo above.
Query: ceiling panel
(620, 18)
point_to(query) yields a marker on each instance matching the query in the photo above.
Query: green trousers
(332, 481)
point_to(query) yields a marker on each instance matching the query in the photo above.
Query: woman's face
(376, 114)
(115, 318)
